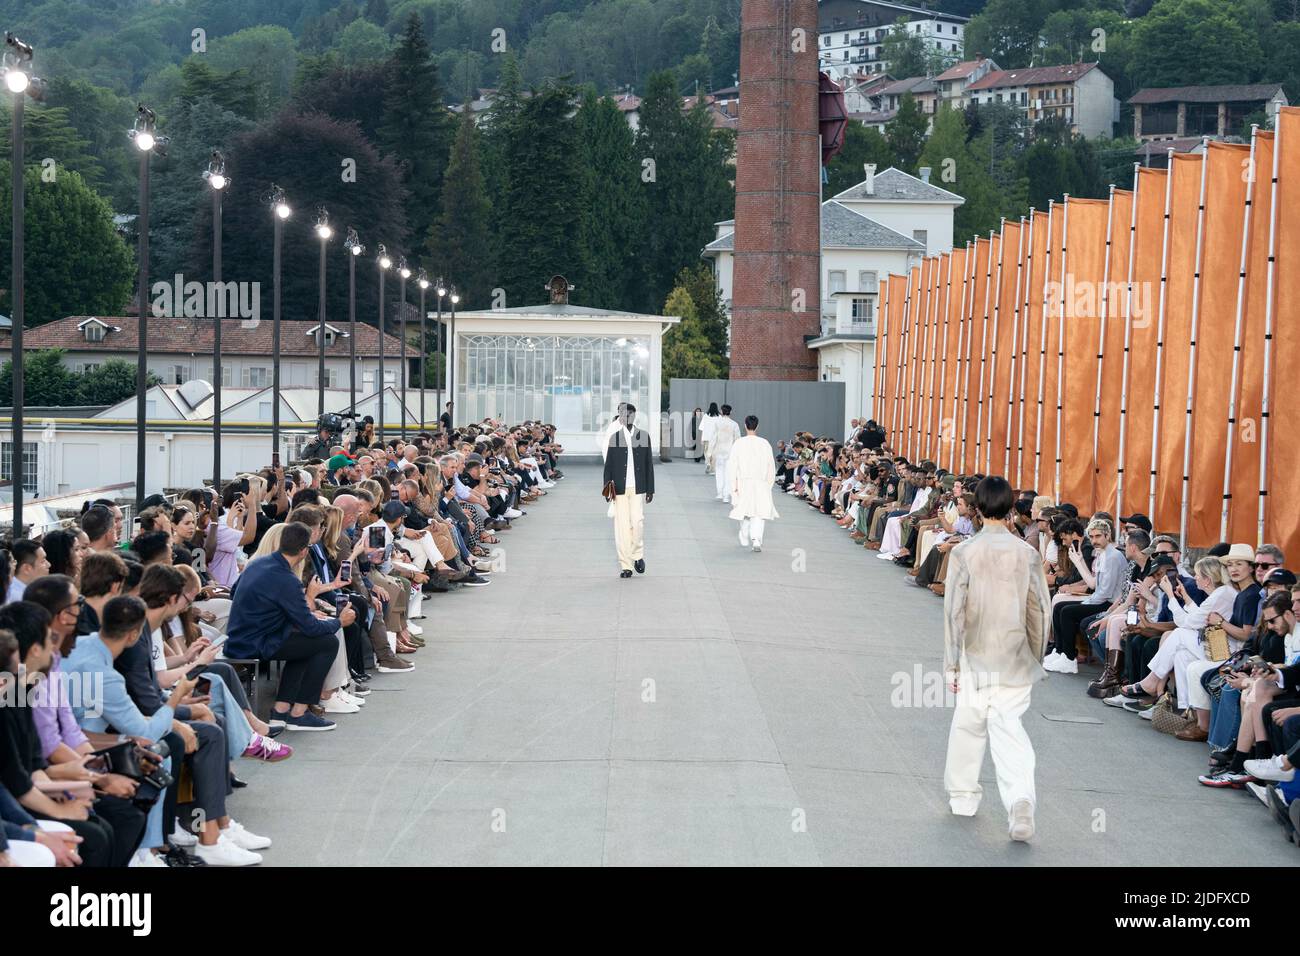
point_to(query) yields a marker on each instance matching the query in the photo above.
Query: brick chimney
(775, 297)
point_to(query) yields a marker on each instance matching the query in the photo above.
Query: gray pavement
(724, 708)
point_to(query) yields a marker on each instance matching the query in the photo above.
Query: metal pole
(1024, 355)
(1060, 349)
(401, 324)
(275, 339)
(437, 347)
(1269, 298)
(1042, 345)
(1015, 343)
(141, 359)
(451, 368)
(16, 351)
(993, 348)
(1128, 343)
(1101, 344)
(423, 353)
(320, 335)
(379, 430)
(352, 333)
(216, 345)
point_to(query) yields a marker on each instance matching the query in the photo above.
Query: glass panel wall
(572, 381)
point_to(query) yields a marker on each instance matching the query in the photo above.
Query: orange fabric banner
(1004, 308)
(1085, 263)
(1225, 206)
(1044, 439)
(1282, 521)
(1030, 349)
(897, 370)
(949, 366)
(1131, 492)
(1180, 270)
(1112, 353)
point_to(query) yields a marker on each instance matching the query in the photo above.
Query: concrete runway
(724, 708)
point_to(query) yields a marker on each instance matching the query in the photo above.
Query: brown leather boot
(1105, 685)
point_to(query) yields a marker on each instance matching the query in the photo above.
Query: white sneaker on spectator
(226, 853)
(182, 837)
(1067, 665)
(1148, 714)
(245, 839)
(350, 697)
(885, 555)
(145, 857)
(1051, 661)
(414, 628)
(336, 705)
(514, 513)
(1270, 769)
(1261, 791)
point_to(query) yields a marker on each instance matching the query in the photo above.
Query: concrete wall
(782, 407)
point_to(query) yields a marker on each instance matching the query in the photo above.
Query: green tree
(542, 199)
(499, 133)
(76, 263)
(108, 384)
(362, 42)
(687, 352)
(234, 91)
(459, 244)
(957, 168)
(862, 145)
(1008, 31)
(417, 128)
(266, 55)
(1190, 42)
(905, 133)
(613, 206)
(710, 311)
(905, 52)
(49, 134)
(685, 175)
(46, 380)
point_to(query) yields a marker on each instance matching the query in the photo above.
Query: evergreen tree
(459, 245)
(905, 133)
(710, 312)
(76, 263)
(862, 145)
(687, 352)
(685, 179)
(48, 133)
(417, 129)
(235, 91)
(956, 168)
(904, 52)
(498, 132)
(543, 196)
(613, 206)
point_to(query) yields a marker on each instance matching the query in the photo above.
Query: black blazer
(642, 463)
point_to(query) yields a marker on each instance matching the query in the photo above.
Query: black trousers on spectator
(929, 568)
(307, 661)
(1277, 735)
(354, 635)
(1138, 651)
(1065, 624)
(96, 847)
(126, 824)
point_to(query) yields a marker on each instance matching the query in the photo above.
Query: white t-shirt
(630, 487)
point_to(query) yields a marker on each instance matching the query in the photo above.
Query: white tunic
(751, 469)
(708, 425)
(726, 433)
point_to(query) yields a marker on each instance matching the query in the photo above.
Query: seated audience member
(272, 617)
(103, 577)
(30, 563)
(65, 549)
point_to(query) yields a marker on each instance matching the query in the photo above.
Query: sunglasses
(1265, 564)
(76, 605)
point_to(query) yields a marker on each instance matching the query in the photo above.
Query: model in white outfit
(708, 428)
(725, 434)
(995, 628)
(751, 470)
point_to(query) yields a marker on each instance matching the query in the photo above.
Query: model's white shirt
(708, 427)
(606, 435)
(630, 487)
(725, 435)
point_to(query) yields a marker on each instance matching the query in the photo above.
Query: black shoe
(175, 856)
(436, 585)
(275, 731)
(475, 581)
(625, 574)
(236, 783)
(639, 565)
(359, 676)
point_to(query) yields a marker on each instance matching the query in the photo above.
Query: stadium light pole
(17, 61)
(354, 247)
(404, 271)
(280, 211)
(215, 175)
(440, 288)
(146, 139)
(385, 263)
(323, 232)
(422, 279)
(451, 368)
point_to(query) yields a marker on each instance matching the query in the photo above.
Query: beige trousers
(629, 518)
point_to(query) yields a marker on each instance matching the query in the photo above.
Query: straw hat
(1239, 552)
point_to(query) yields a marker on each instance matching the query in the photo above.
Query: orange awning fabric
(1281, 517)
(1112, 352)
(1002, 333)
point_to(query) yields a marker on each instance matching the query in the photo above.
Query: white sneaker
(350, 698)
(245, 839)
(1022, 821)
(514, 513)
(182, 837)
(1148, 714)
(1258, 789)
(396, 670)
(758, 546)
(336, 705)
(414, 628)
(144, 857)
(885, 555)
(964, 806)
(1067, 665)
(1052, 661)
(226, 853)
(1270, 769)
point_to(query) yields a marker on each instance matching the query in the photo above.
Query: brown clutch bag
(608, 492)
